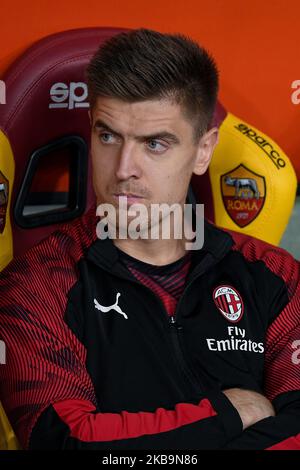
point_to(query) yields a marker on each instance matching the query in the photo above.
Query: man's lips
(128, 195)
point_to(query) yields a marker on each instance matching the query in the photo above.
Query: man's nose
(128, 164)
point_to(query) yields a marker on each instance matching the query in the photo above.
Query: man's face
(144, 150)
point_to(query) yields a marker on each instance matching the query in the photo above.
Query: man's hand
(251, 406)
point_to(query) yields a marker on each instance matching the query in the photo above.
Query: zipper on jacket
(176, 330)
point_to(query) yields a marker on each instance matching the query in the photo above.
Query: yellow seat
(8, 440)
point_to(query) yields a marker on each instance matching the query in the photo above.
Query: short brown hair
(143, 64)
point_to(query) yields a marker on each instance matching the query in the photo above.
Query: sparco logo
(69, 96)
(263, 144)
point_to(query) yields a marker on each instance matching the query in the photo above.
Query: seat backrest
(43, 121)
(44, 147)
(250, 186)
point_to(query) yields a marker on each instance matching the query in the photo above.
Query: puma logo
(115, 307)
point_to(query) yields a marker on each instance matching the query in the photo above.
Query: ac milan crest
(229, 302)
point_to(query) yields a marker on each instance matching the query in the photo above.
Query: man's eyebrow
(99, 124)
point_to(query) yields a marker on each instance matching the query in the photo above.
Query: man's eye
(107, 138)
(156, 146)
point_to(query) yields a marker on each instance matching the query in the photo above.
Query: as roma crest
(3, 201)
(229, 302)
(243, 193)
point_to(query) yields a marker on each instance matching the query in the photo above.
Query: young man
(138, 343)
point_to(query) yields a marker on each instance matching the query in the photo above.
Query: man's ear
(205, 150)
(90, 116)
